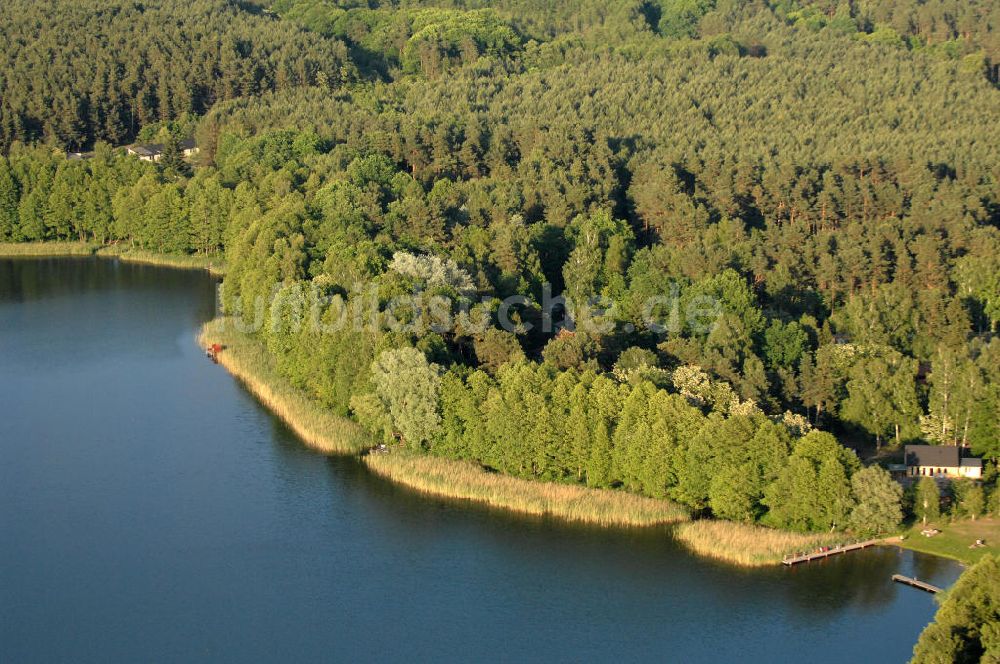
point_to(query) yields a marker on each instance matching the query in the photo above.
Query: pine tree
(172, 159)
(9, 195)
(579, 431)
(31, 213)
(599, 464)
(733, 494)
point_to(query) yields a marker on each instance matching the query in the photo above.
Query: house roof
(153, 149)
(972, 462)
(148, 150)
(944, 456)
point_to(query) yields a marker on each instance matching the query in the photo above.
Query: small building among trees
(944, 461)
(154, 151)
(149, 152)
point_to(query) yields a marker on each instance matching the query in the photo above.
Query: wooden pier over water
(829, 551)
(915, 583)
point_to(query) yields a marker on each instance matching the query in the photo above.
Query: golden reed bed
(467, 481)
(248, 360)
(748, 545)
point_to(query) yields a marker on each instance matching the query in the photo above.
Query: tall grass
(29, 249)
(213, 263)
(248, 360)
(467, 481)
(747, 545)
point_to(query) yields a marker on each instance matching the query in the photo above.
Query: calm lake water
(151, 510)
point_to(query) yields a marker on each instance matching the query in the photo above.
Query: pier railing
(827, 551)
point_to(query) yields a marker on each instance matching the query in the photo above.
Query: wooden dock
(830, 551)
(915, 583)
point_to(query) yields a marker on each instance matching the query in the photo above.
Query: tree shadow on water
(860, 579)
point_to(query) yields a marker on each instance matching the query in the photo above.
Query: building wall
(935, 471)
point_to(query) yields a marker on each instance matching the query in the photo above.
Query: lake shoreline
(955, 539)
(749, 545)
(736, 544)
(245, 358)
(249, 362)
(467, 481)
(214, 265)
(195, 458)
(46, 249)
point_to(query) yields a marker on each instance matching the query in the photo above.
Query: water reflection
(857, 578)
(929, 568)
(95, 310)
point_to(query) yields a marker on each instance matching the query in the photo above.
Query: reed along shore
(740, 544)
(248, 360)
(464, 480)
(214, 263)
(749, 545)
(43, 249)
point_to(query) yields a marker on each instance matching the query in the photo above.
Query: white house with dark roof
(154, 151)
(148, 152)
(941, 461)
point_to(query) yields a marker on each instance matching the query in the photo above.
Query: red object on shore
(213, 352)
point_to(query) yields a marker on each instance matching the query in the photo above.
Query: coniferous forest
(826, 174)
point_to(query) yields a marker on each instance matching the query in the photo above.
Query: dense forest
(824, 174)
(76, 71)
